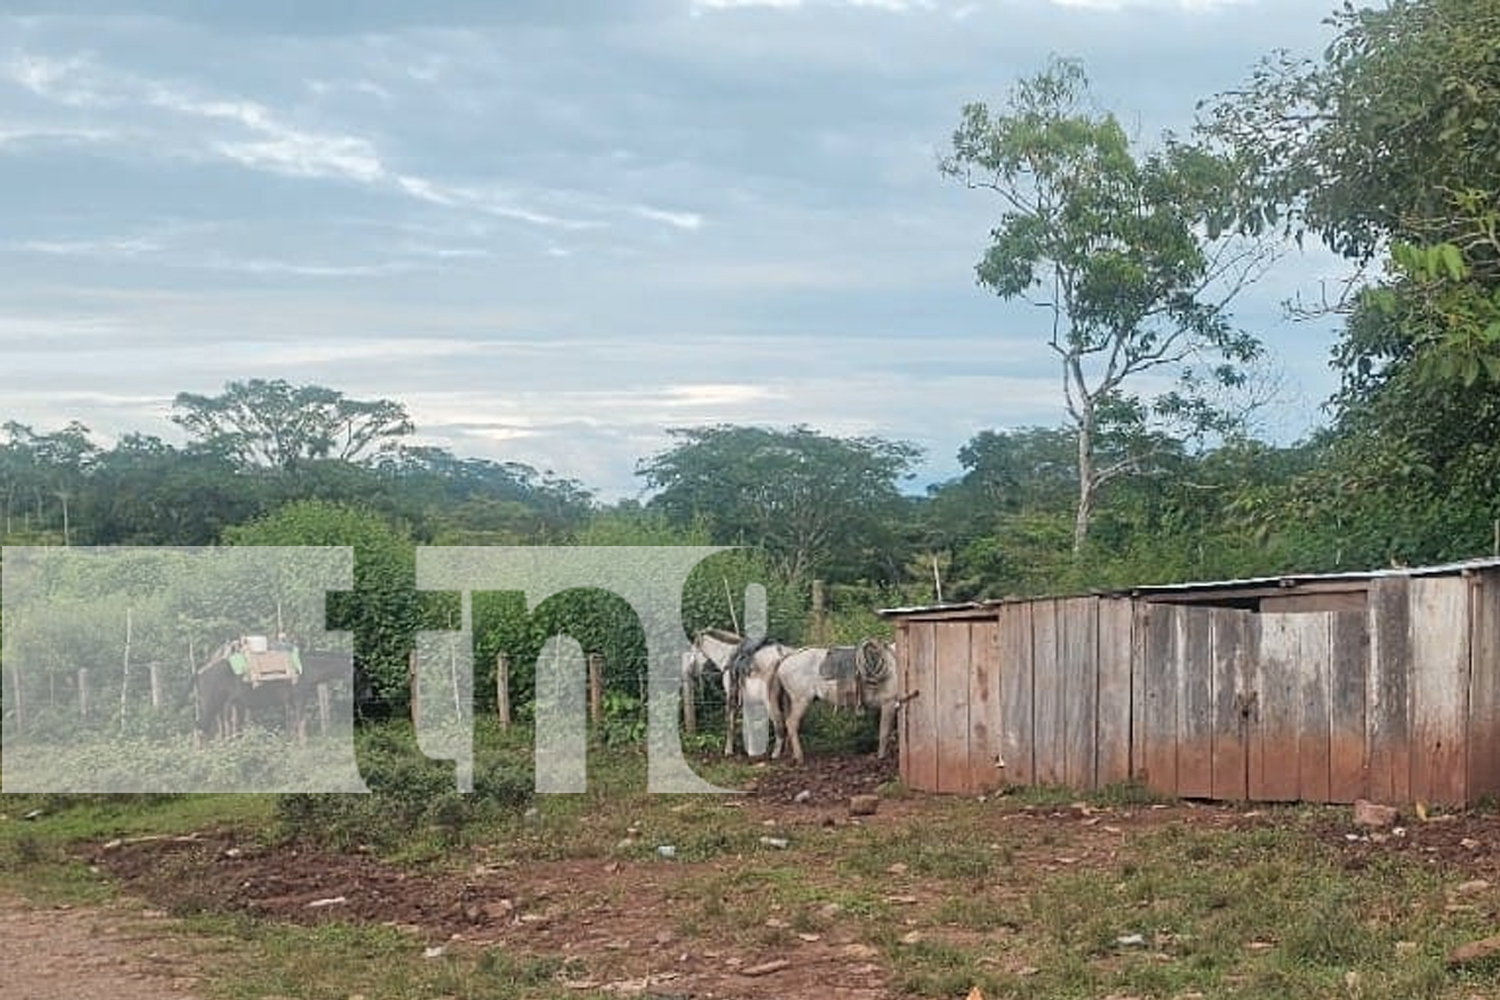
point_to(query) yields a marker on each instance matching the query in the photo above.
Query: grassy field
(1029, 894)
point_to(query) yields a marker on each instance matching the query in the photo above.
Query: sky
(555, 229)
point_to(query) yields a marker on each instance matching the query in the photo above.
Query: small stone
(802, 797)
(911, 937)
(1406, 947)
(1469, 888)
(1130, 940)
(1469, 844)
(863, 805)
(1475, 951)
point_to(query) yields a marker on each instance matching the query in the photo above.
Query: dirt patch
(1465, 845)
(827, 781)
(89, 954)
(221, 871)
(623, 922)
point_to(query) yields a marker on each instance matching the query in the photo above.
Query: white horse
(844, 676)
(748, 673)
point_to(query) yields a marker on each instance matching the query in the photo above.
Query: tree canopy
(1126, 253)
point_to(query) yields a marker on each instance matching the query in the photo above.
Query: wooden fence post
(502, 689)
(689, 706)
(411, 684)
(819, 614)
(83, 692)
(596, 688)
(325, 709)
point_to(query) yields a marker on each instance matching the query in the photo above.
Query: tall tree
(811, 501)
(1127, 254)
(271, 423)
(1387, 149)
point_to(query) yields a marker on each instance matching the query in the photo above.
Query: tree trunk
(1086, 482)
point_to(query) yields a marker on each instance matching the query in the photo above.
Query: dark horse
(221, 694)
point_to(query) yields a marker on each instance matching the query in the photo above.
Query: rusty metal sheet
(1017, 746)
(1388, 691)
(919, 759)
(1078, 656)
(953, 665)
(1195, 701)
(1234, 635)
(1348, 768)
(1048, 728)
(984, 705)
(1115, 643)
(1159, 692)
(1274, 733)
(1440, 689)
(1484, 688)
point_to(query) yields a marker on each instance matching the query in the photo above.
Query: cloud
(264, 140)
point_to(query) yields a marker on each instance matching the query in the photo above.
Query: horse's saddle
(838, 665)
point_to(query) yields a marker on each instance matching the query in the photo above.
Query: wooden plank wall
(1483, 740)
(1114, 629)
(1439, 688)
(951, 733)
(1399, 701)
(1017, 748)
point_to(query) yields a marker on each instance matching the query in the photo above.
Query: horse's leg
(774, 696)
(794, 725)
(887, 720)
(729, 700)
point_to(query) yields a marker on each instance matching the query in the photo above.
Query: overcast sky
(555, 228)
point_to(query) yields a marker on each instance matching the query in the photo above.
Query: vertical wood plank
(1348, 770)
(1115, 643)
(954, 666)
(1078, 645)
(1388, 692)
(919, 758)
(1233, 657)
(1274, 737)
(1016, 695)
(984, 704)
(1484, 686)
(1313, 731)
(1195, 702)
(903, 670)
(1140, 620)
(1159, 689)
(1440, 688)
(1047, 722)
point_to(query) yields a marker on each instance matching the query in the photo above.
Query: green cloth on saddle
(239, 661)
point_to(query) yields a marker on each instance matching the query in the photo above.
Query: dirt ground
(88, 953)
(607, 913)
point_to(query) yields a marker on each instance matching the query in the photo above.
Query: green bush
(411, 797)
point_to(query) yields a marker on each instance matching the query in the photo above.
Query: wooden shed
(1316, 688)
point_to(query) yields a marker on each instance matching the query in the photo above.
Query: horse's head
(876, 660)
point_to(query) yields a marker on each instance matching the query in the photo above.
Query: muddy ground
(609, 914)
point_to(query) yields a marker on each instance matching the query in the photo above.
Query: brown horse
(225, 700)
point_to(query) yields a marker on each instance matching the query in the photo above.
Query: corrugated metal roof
(1292, 579)
(1280, 580)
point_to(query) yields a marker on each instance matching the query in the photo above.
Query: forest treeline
(1385, 149)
